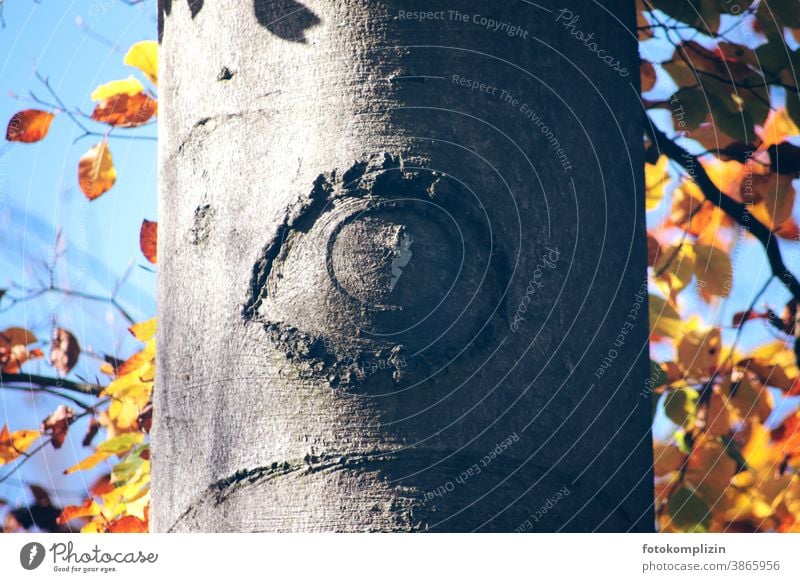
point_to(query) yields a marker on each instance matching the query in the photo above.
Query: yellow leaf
(12, 445)
(747, 400)
(778, 128)
(96, 173)
(144, 56)
(774, 365)
(664, 320)
(713, 270)
(130, 86)
(145, 330)
(699, 351)
(656, 180)
(709, 469)
(757, 452)
(676, 267)
(89, 462)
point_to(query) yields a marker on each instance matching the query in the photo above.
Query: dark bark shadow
(286, 19)
(165, 9)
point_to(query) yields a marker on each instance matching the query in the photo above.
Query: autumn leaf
(710, 469)
(127, 524)
(145, 330)
(778, 127)
(144, 56)
(57, 425)
(125, 110)
(29, 126)
(14, 351)
(96, 173)
(748, 400)
(713, 270)
(64, 351)
(91, 431)
(666, 458)
(89, 508)
(681, 406)
(148, 240)
(656, 181)
(114, 446)
(12, 445)
(688, 512)
(130, 86)
(699, 350)
(664, 320)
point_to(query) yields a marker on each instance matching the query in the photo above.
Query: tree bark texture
(402, 268)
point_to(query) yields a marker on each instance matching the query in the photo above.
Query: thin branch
(43, 389)
(28, 455)
(49, 382)
(736, 210)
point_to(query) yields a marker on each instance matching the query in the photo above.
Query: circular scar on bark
(383, 264)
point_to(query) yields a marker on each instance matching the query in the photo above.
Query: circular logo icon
(31, 555)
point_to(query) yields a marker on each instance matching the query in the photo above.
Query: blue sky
(39, 195)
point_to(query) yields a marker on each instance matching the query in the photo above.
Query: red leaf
(148, 240)
(57, 425)
(91, 432)
(29, 126)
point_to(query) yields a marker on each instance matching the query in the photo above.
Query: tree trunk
(402, 268)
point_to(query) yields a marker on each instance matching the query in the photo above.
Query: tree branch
(48, 382)
(736, 210)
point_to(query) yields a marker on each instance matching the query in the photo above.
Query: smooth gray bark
(390, 301)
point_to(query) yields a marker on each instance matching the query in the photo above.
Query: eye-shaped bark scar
(380, 268)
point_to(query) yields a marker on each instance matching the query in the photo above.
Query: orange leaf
(148, 239)
(96, 173)
(12, 445)
(29, 126)
(89, 508)
(125, 110)
(16, 336)
(127, 524)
